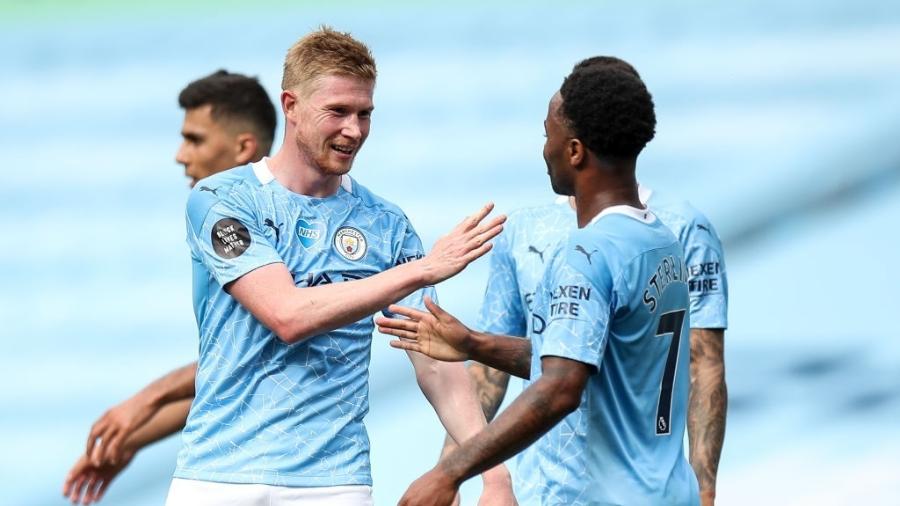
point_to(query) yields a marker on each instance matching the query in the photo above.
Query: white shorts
(209, 493)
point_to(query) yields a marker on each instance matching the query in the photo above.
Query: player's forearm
(312, 311)
(167, 421)
(708, 405)
(490, 387)
(174, 386)
(505, 353)
(541, 406)
(449, 390)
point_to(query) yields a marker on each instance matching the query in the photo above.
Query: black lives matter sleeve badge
(230, 238)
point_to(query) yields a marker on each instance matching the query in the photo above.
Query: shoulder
(372, 202)
(528, 216)
(230, 186)
(686, 221)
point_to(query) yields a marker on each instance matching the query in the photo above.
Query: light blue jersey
(615, 296)
(530, 234)
(529, 237)
(265, 411)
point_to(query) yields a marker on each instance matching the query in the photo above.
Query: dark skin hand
(556, 393)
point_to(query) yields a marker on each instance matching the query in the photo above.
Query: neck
(300, 175)
(595, 193)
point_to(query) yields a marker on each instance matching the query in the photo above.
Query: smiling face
(332, 121)
(556, 145)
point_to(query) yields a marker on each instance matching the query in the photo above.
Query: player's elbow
(427, 373)
(564, 395)
(288, 329)
(567, 402)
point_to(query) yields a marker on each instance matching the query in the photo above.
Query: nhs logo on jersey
(309, 231)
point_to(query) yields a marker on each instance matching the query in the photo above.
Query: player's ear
(289, 105)
(247, 146)
(576, 152)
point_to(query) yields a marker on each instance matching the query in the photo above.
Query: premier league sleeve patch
(350, 243)
(230, 238)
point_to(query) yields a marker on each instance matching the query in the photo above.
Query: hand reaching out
(109, 432)
(467, 242)
(436, 333)
(86, 483)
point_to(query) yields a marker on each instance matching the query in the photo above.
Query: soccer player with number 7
(607, 354)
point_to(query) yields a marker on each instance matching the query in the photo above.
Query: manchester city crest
(350, 243)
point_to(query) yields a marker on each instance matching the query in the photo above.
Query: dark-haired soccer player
(229, 120)
(606, 359)
(517, 264)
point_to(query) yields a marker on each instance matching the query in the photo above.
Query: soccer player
(291, 257)
(229, 120)
(606, 359)
(517, 262)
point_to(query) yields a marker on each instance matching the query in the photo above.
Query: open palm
(435, 333)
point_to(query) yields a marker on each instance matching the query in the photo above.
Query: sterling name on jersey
(530, 236)
(265, 411)
(615, 296)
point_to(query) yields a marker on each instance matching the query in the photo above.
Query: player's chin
(339, 167)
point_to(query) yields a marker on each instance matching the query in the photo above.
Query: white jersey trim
(262, 172)
(265, 176)
(643, 215)
(644, 193)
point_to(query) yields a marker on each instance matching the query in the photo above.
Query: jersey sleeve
(707, 279)
(226, 237)
(574, 312)
(502, 311)
(409, 248)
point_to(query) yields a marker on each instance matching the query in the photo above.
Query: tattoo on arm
(708, 404)
(534, 412)
(490, 387)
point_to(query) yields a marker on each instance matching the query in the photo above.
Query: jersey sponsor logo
(538, 324)
(350, 243)
(277, 228)
(309, 231)
(564, 300)
(539, 253)
(669, 270)
(579, 248)
(704, 278)
(230, 238)
(529, 301)
(409, 258)
(324, 278)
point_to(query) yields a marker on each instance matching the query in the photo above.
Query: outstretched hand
(467, 242)
(105, 445)
(86, 483)
(437, 333)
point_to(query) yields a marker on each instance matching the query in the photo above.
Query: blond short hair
(326, 52)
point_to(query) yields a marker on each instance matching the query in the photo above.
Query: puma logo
(579, 248)
(539, 253)
(210, 190)
(277, 228)
(704, 227)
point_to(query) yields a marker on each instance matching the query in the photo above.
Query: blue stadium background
(779, 119)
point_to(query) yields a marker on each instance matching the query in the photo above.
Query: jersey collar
(265, 176)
